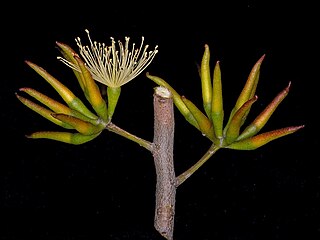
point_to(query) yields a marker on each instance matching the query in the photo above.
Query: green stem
(113, 128)
(185, 175)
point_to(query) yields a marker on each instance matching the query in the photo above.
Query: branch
(113, 128)
(185, 175)
(163, 159)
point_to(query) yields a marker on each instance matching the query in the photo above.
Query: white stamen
(110, 66)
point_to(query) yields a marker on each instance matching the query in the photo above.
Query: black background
(105, 189)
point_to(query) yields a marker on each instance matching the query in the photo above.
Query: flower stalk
(113, 94)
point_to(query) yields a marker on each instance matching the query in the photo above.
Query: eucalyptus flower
(112, 66)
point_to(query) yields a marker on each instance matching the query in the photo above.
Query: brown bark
(163, 159)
